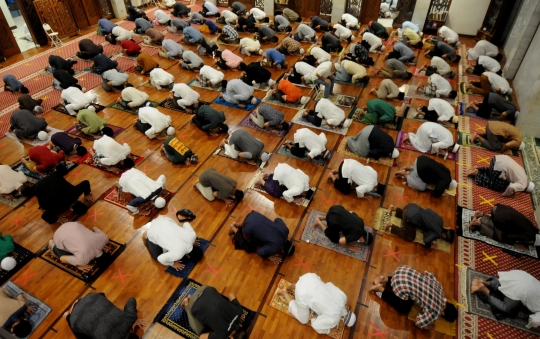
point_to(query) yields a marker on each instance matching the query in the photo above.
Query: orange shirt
(292, 92)
(146, 62)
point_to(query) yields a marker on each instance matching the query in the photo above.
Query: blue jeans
(328, 88)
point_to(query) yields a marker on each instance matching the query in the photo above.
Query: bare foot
(472, 172)
(391, 209)
(375, 288)
(478, 214)
(89, 198)
(51, 245)
(474, 222)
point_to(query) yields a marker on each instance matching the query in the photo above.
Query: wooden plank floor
(252, 279)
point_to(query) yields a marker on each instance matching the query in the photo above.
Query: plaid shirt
(291, 45)
(230, 32)
(488, 177)
(424, 289)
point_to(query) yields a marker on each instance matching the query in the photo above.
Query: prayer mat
(471, 125)
(356, 84)
(196, 83)
(221, 152)
(412, 93)
(149, 49)
(471, 112)
(117, 170)
(42, 309)
(163, 89)
(174, 317)
(441, 325)
(15, 201)
(125, 64)
(36, 141)
(463, 219)
(188, 263)
(342, 100)
(393, 125)
(403, 145)
(23, 257)
(111, 251)
(531, 162)
(343, 149)
(412, 114)
(74, 131)
(167, 104)
(21, 166)
(279, 304)
(315, 235)
(62, 109)
(299, 119)
(147, 209)
(475, 197)
(418, 73)
(248, 107)
(305, 202)
(464, 139)
(116, 105)
(381, 217)
(319, 160)
(247, 122)
(271, 100)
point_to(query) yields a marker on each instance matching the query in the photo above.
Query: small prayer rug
(42, 309)
(248, 107)
(441, 325)
(115, 170)
(299, 119)
(147, 209)
(305, 202)
(479, 198)
(36, 141)
(412, 113)
(400, 144)
(62, 109)
(392, 125)
(279, 304)
(295, 105)
(531, 162)
(381, 217)
(258, 162)
(418, 73)
(187, 262)
(342, 100)
(463, 219)
(174, 317)
(196, 83)
(111, 251)
(163, 89)
(315, 235)
(20, 166)
(356, 84)
(412, 92)
(74, 131)
(23, 257)
(464, 139)
(116, 105)
(247, 122)
(471, 112)
(343, 149)
(12, 201)
(167, 104)
(319, 160)
(471, 125)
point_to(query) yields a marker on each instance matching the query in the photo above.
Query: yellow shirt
(412, 36)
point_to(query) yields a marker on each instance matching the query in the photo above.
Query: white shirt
(342, 32)
(134, 96)
(323, 70)
(211, 74)
(159, 77)
(158, 120)
(316, 144)
(304, 68)
(73, 95)
(169, 3)
(520, 285)
(212, 9)
(115, 77)
(112, 151)
(257, 13)
(250, 45)
(448, 34)
(444, 110)
(187, 94)
(122, 33)
(374, 41)
(489, 63)
(327, 110)
(294, 179)
(161, 16)
(320, 54)
(137, 183)
(326, 300)
(385, 7)
(10, 180)
(482, 47)
(228, 15)
(431, 136)
(175, 240)
(363, 176)
(349, 19)
(498, 82)
(441, 65)
(443, 86)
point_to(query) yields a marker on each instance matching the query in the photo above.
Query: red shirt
(45, 159)
(130, 46)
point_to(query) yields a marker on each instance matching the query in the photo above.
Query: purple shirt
(65, 142)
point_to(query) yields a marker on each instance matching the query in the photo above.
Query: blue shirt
(271, 234)
(275, 56)
(411, 25)
(212, 26)
(192, 34)
(12, 82)
(106, 25)
(405, 52)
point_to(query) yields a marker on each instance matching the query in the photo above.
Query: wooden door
(8, 44)
(79, 13)
(31, 18)
(93, 13)
(369, 10)
(311, 8)
(58, 15)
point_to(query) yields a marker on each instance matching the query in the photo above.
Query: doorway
(388, 12)
(20, 32)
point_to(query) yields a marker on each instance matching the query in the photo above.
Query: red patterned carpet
(124, 63)
(38, 82)
(89, 80)
(7, 99)
(472, 125)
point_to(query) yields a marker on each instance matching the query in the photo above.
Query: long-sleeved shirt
(363, 176)
(85, 245)
(514, 226)
(177, 151)
(410, 25)
(290, 14)
(229, 16)
(66, 80)
(374, 41)
(510, 134)
(348, 223)
(305, 69)
(115, 77)
(411, 36)
(431, 137)
(134, 97)
(441, 65)
(146, 62)
(181, 24)
(293, 93)
(212, 9)
(223, 185)
(267, 32)
(106, 26)
(404, 51)
(91, 120)
(444, 109)
(173, 48)
(498, 83)
(257, 13)
(111, 152)
(356, 70)
(193, 59)
(433, 173)
(238, 7)
(27, 102)
(250, 45)
(522, 286)
(44, 157)
(230, 32)
(448, 34)
(316, 144)
(489, 63)
(349, 19)
(73, 95)
(512, 172)
(500, 103)
(211, 74)
(331, 113)
(152, 116)
(162, 17)
(65, 142)
(388, 87)
(143, 25)
(443, 86)
(482, 47)
(446, 49)
(320, 54)
(26, 124)
(7, 245)
(212, 116)
(271, 235)
(274, 56)
(282, 21)
(122, 33)
(305, 32)
(137, 183)
(379, 111)
(10, 304)
(159, 77)
(10, 180)
(155, 36)
(57, 62)
(246, 143)
(294, 179)
(175, 240)
(324, 70)
(193, 35)
(318, 21)
(426, 220)
(187, 96)
(272, 116)
(342, 32)
(238, 90)
(232, 60)
(256, 72)
(130, 46)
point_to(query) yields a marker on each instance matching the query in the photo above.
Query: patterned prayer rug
(167, 104)
(42, 309)
(7, 99)
(20, 166)
(472, 125)
(463, 219)
(441, 325)
(342, 100)
(116, 105)
(147, 209)
(174, 317)
(315, 235)
(188, 263)
(393, 125)
(23, 257)
(531, 162)
(279, 304)
(296, 105)
(15, 201)
(247, 122)
(89, 80)
(479, 198)
(464, 139)
(115, 170)
(111, 251)
(221, 152)
(471, 112)
(381, 217)
(412, 114)
(401, 144)
(343, 149)
(196, 83)
(319, 160)
(304, 202)
(412, 92)
(62, 109)
(36, 141)
(74, 131)
(299, 119)
(356, 84)
(249, 107)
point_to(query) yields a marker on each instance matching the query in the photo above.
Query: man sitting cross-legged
(213, 184)
(290, 183)
(352, 173)
(344, 227)
(268, 117)
(142, 188)
(243, 145)
(260, 234)
(307, 141)
(110, 155)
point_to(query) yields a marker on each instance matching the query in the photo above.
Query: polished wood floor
(252, 279)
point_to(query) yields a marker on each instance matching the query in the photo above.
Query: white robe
(522, 286)
(316, 144)
(294, 179)
(363, 176)
(158, 120)
(327, 110)
(112, 151)
(188, 96)
(444, 110)
(137, 183)
(431, 137)
(159, 77)
(175, 240)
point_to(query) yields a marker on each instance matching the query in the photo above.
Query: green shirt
(379, 112)
(177, 150)
(7, 246)
(91, 120)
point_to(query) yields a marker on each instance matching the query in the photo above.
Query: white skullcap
(8, 263)
(337, 66)
(522, 146)
(170, 131)
(383, 47)
(260, 52)
(304, 100)
(455, 119)
(458, 44)
(160, 203)
(347, 123)
(509, 91)
(254, 100)
(350, 319)
(395, 153)
(530, 187)
(302, 51)
(92, 108)
(190, 14)
(456, 148)
(265, 156)
(271, 82)
(43, 136)
(453, 185)
(421, 34)
(38, 109)
(316, 38)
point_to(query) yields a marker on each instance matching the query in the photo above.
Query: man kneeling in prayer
(344, 227)
(213, 184)
(352, 172)
(427, 171)
(258, 233)
(177, 152)
(268, 117)
(373, 142)
(209, 120)
(142, 188)
(434, 138)
(110, 155)
(290, 183)
(325, 111)
(243, 145)
(152, 122)
(307, 141)
(184, 97)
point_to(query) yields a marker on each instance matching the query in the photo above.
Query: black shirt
(380, 143)
(87, 45)
(66, 79)
(254, 71)
(433, 173)
(350, 224)
(57, 62)
(103, 63)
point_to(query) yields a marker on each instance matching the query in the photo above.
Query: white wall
(420, 12)
(338, 8)
(7, 14)
(269, 7)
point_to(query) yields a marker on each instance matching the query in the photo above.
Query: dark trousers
(400, 305)
(222, 64)
(298, 151)
(200, 122)
(501, 306)
(310, 59)
(313, 118)
(408, 231)
(58, 252)
(430, 115)
(295, 78)
(341, 183)
(140, 126)
(279, 95)
(111, 38)
(491, 141)
(137, 201)
(85, 55)
(155, 250)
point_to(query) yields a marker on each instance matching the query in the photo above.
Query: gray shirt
(173, 48)
(115, 77)
(271, 115)
(282, 22)
(246, 143)
(403, 50)
(396, 65)
(267, 32)
(192, 59)
(359, 144)
(26, 124)
(181, 24)
(446, 49)
(143, 24)
(501, 104)
(224, 185)
(304, 31)
(239, 7)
